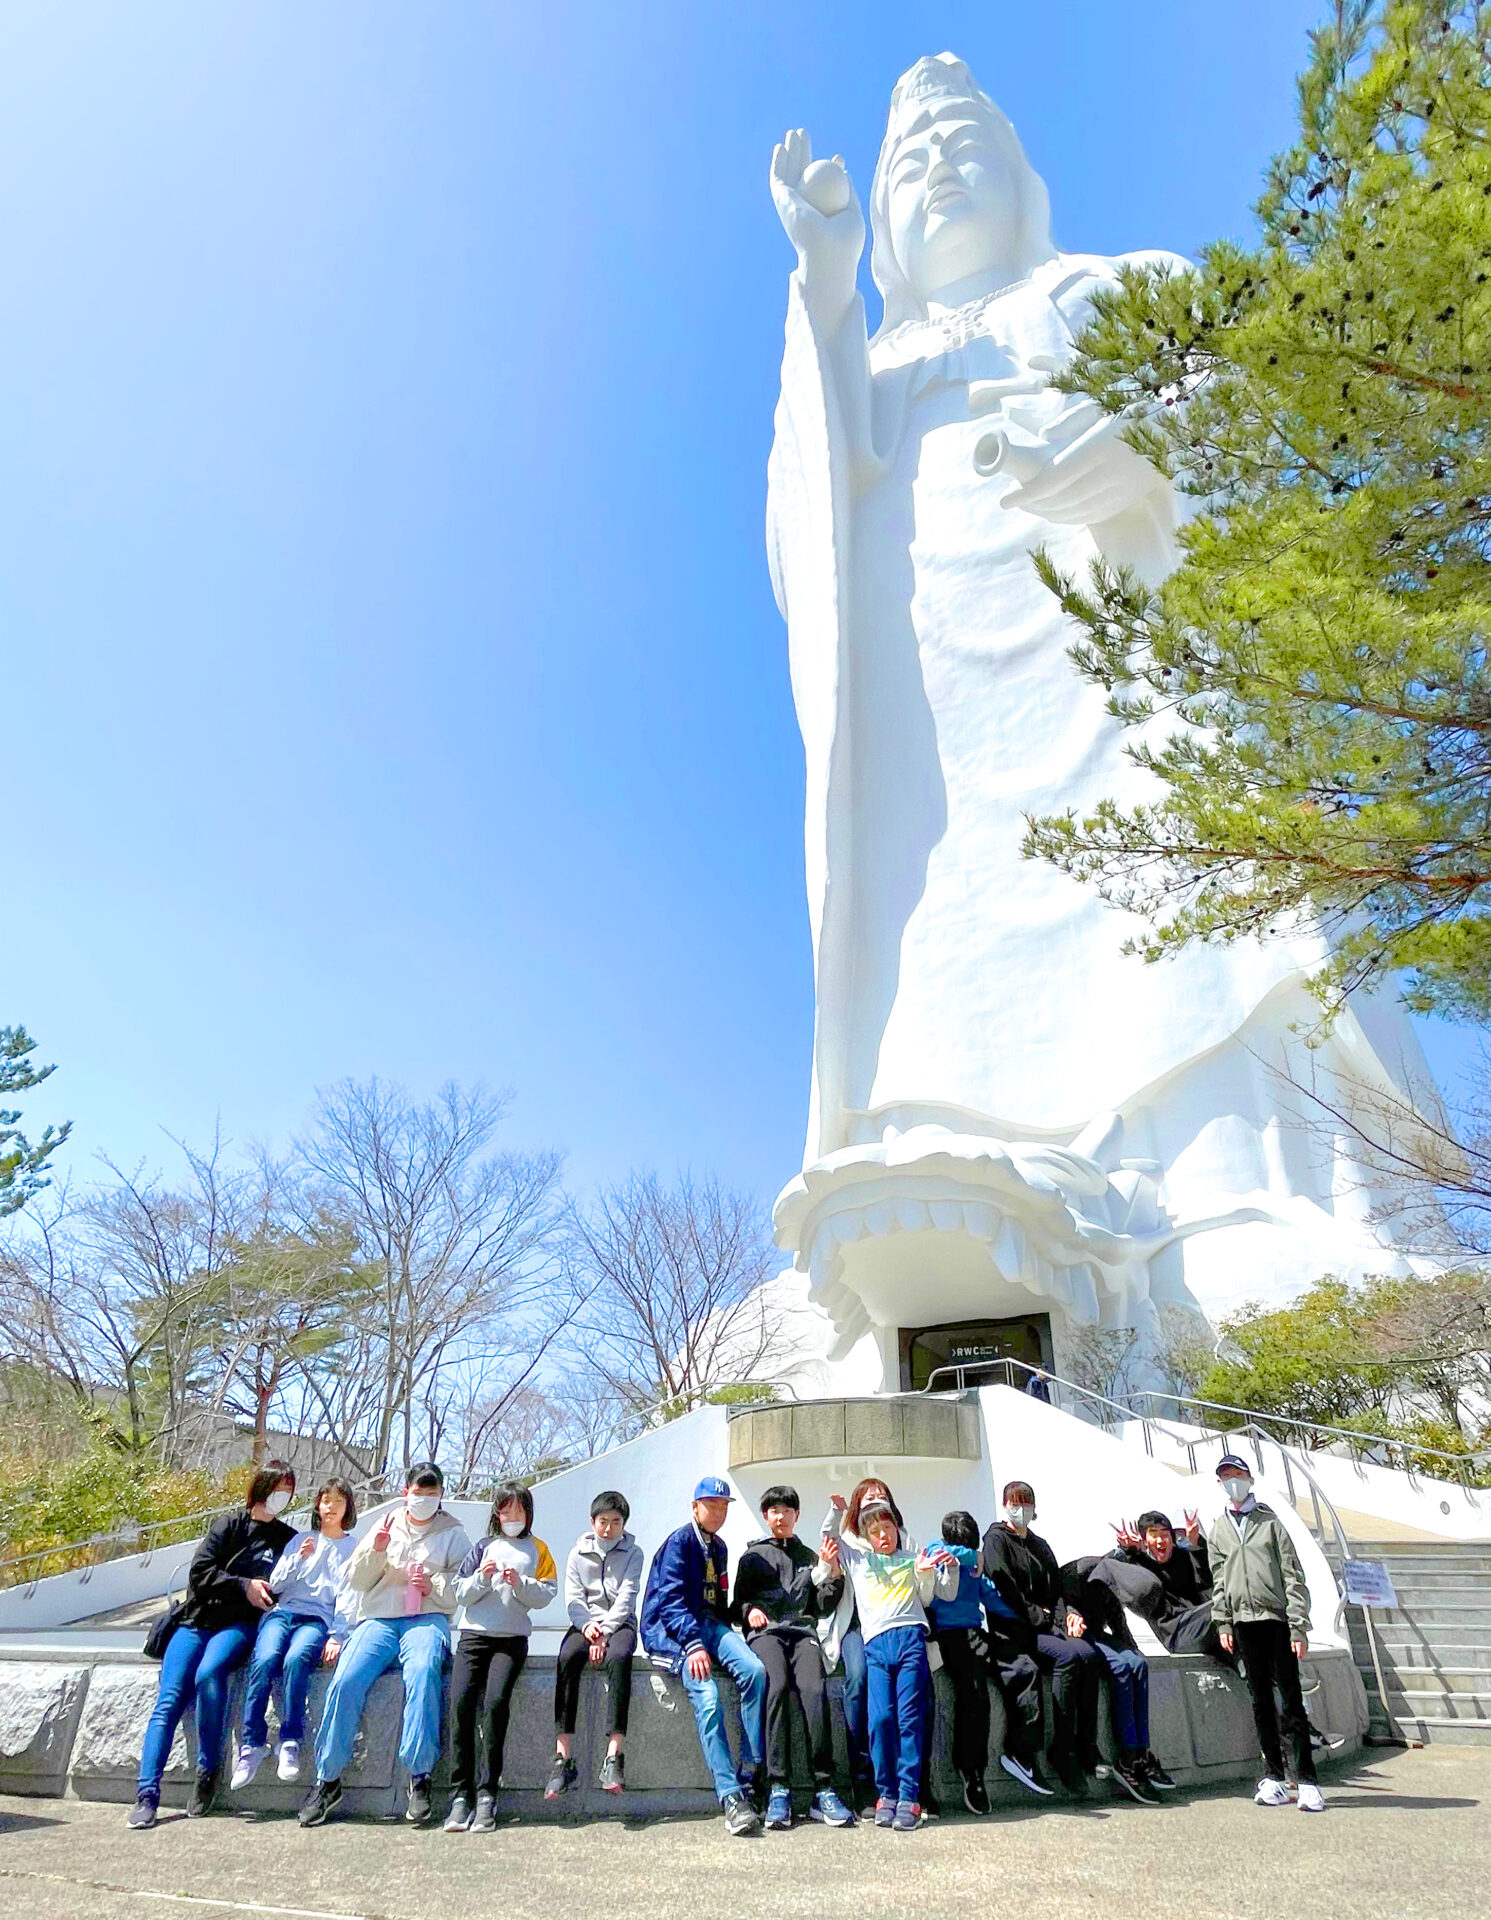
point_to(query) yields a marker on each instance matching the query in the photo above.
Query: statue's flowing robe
(959, 983)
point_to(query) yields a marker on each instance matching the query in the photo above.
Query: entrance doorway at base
(973, 1344)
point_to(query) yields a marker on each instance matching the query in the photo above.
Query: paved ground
(1407, 1835)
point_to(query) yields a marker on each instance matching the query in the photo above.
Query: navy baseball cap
(712, 1487)
(1231, 1463)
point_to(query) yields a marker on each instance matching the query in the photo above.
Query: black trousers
(482, 1679)
(1268, 1661)
(569, 1670)
(965, 1662)
(1076, 1669)
(794, 1664)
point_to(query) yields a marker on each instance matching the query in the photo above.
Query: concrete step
(1454, 1647)
(1447, 1733)
(1440, 1706)
(1421, 1679)
(1443, 1593)
(1474, 1707)
(1468, 1560)
(1432, 1618)
(1428, 1586)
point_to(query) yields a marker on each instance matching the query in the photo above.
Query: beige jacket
(381, 1580)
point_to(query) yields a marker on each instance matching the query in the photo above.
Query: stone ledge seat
(74, 1725)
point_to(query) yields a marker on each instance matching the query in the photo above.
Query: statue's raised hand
(817, 206)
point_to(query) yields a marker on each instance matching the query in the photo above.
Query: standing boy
(1261, 1606)
(782, 1591)
(686, 1630)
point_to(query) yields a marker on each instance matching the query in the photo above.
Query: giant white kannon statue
(1015, 1128)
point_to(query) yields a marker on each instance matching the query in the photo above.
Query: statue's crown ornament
(941, 76)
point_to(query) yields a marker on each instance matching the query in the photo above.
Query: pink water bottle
(413, 1598)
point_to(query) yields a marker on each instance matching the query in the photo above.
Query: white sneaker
(289, 1760)
(250, 1759)
(1311, 1799)
(1271, 1793)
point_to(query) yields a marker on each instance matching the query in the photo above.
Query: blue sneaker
(908, 1817)
(885, 1813)
(779, 1808)
(830, 1809)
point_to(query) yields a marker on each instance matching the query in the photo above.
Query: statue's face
(952, 205)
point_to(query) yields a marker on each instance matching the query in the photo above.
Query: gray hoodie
(602, 1583)
(488, 1604)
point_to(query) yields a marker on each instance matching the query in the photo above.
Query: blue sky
(392, 677)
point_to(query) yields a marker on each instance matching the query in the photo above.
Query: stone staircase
(1435, 1648)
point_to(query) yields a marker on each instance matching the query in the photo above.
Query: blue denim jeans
(726, 1649)
(290, 1643)
(856, 1702)
(900, 1692)
(198, 1665)
(419, 1644)
(1128, 1691)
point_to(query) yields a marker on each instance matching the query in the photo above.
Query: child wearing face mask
(1260, 1603)
(404, 1576)
(313, 1616)
(1045, 1635)
(505, 1578)
(227, 1595)
(893, 1580)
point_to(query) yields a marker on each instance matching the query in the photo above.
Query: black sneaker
(1154, 1774)
(564, 1776)
(1126, 1775)
(325, 1797)
(1071, 1777)
(143, 1813)
(418, 1811)
(741, 1818)
(975, 1794)
(485, 1818)
(204, 1792)
(612, 1776)
(929, 1807)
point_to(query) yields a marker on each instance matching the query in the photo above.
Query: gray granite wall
(78, 1725)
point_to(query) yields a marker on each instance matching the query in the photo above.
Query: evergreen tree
(22, 1166)
(1311, 685)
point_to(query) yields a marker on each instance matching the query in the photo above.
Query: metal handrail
(1463, 1463)
(1321, 1505)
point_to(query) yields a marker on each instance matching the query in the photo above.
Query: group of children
(866, 1598)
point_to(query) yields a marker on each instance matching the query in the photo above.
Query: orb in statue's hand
(825, 187)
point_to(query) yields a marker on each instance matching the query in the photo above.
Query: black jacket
(1169, 1597)
(233, 1549)
(1101, 1608)
(777, 1576)
(1029, 1582)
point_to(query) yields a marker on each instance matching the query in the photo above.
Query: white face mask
(1019, 1516)
(278, 1501)
(513, 1528)
(422, 1506)
(1237, 1487)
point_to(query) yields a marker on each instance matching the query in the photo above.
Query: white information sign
(1369, 1584)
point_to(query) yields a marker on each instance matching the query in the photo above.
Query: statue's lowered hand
(817, 206)
(1075, 472)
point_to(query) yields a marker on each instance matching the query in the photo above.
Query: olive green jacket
(1255, 1572)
